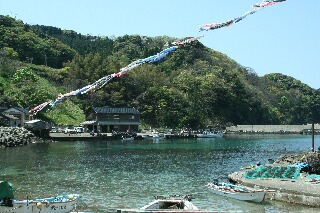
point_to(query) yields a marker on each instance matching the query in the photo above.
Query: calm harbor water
(112, 175)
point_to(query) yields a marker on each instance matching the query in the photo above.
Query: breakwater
(274, 129)
(15, 136)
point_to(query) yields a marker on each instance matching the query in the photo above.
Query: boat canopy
(6, 190)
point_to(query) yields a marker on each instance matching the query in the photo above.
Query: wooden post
(312, 147)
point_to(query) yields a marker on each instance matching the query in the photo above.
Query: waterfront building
(108, 119)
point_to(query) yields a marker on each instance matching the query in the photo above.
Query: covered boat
(237, 192)
(58, 204)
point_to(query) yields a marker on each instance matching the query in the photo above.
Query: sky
(282, 38)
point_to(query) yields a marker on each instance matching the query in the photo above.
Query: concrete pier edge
(298, 191)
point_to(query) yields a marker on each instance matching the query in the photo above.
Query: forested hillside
(192, 87)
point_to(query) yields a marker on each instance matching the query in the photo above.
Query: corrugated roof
(111, 110)
(18, 109)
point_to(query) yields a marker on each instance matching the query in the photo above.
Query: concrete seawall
(283, 181)
(299, 191)
(284, 129)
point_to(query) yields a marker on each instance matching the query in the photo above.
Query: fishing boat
(162, 202)
(131, 138)
(170, 204)
(55, 204)
(210, 134)
(237, 192)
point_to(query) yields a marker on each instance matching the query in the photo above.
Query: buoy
(70, 197)
(39, 205)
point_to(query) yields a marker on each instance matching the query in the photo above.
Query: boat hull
(245, 196)
(163, 211)
(167, 206)
(170, 204)
(238, 192)
(212, 135)
(58, 204)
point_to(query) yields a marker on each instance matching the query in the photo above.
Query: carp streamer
(151, 59)
(255, 8)
(104, 80)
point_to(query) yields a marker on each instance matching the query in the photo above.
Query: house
(107, 119)
(16, 116)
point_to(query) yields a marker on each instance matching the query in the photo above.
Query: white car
(79, 129)
(69, 130)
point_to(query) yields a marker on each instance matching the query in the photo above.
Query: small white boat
(127, 138)
(156, 135)
(56, 204)
(167, 204)
(237, 192)
(210, 134)
(151, 136)
(131, 138)
(171, 203)
(60, 203)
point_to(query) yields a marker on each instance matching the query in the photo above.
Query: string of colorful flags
(151, 59)
(255, 8)
(104, 80)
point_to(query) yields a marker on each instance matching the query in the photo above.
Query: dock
(108, 136)
(302, 191)
(80, 136)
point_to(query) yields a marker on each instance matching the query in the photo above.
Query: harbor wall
(19, 136)
(299, 129)
(14, 136)
(302, 191)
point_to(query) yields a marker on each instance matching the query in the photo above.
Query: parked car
(70, 130)
(79, 129)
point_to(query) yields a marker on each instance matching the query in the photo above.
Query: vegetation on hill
(192, 87)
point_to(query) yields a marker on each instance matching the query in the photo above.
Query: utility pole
(313, 110)
(312, 147)
(52, 122)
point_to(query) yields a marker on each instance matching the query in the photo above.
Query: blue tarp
(300, 164)
(313, 176)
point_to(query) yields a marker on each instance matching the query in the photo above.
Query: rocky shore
(303, 190)
(16, 136)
